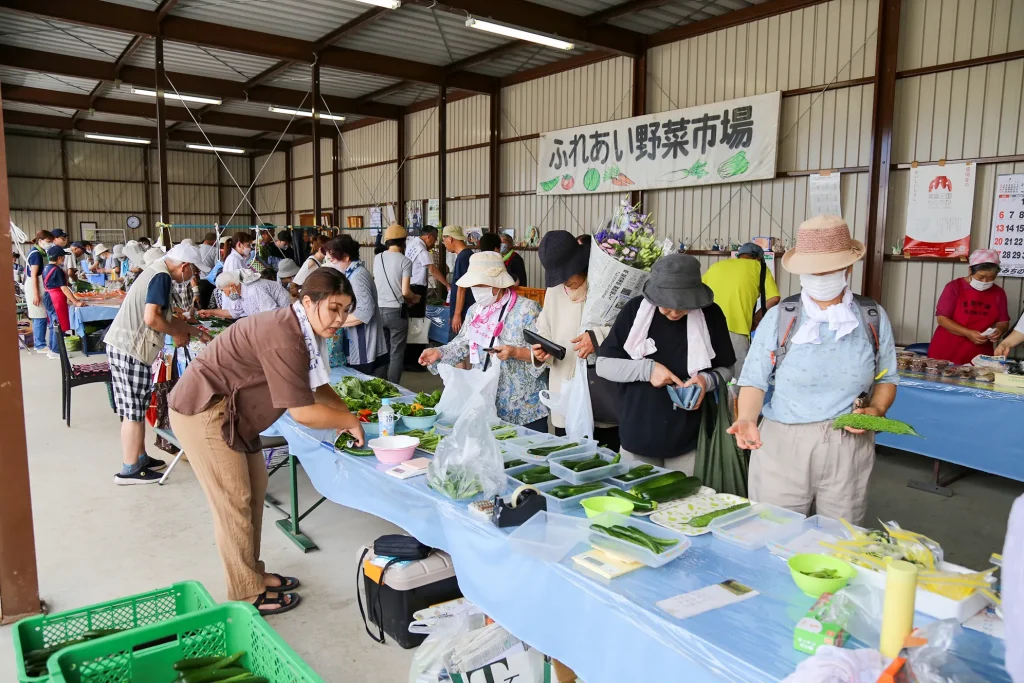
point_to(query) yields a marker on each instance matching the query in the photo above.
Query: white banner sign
(939, 211)
(824, 194)
(723, 142)
(1007, 235)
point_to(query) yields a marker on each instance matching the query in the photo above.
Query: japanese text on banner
(1007, 236)
(722, 142)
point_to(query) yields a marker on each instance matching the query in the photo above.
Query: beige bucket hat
(486, 269)
(823, 244)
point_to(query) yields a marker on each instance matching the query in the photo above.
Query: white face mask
(483, 295)
(46, 244)
(981, 286)
(824, 287)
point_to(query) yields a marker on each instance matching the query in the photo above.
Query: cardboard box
(815, 629)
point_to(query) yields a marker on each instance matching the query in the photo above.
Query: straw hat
(486, 269)
(823, 244)
(395, 232)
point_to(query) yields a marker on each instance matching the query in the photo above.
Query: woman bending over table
(243, 382)
(494, 333)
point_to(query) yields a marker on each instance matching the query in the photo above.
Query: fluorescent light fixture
(308, 113)
(388, 4)
(174, 96)
(518, 33)
(208, 148)
(117, 138)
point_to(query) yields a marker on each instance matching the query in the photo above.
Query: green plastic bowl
(600, 504)
(812, 586)
(424, 423)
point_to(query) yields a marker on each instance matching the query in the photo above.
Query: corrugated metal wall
(37, 202)
(369, 171)
(972, 113)
(270, 191)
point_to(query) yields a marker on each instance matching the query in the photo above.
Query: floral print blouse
(518, 388)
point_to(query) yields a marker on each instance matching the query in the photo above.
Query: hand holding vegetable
(864, 411)
(747, 436)
(662, 377)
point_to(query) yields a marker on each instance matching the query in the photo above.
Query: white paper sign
(1007, 236)
(724, 142)
(825, 198)
(706, 599)
(939, 211)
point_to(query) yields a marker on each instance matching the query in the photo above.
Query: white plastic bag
(461, 386)
(428, 662)
(419, 331)
(579, 416)
(468, 462)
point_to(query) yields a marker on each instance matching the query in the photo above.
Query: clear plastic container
(587, 476)
(514, 483)
(513, 471)
(753, 527)
(806, 535)
(521, 444)
(626, 485)
(549, 536)
(570, 504)
(505, 427)
(632, 550)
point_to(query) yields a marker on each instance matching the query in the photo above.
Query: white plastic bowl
(394, 449)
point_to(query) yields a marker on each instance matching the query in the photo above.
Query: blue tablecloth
(78, 317)
(964, 425)
(606, 631)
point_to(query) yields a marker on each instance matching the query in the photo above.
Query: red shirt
(974, 310)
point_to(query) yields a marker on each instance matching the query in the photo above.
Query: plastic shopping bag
(428, 662)
(462, 386)
(468, 462)
(579, 416)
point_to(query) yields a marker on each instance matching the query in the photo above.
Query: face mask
(46, 245)
(483, 295)
(504, 248)
(246, 251)
(824, 287)
(981, 286)
(234, 296)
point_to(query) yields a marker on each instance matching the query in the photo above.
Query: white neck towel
(840, 318)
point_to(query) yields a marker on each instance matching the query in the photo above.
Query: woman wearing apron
(971, 312)
(57, 297)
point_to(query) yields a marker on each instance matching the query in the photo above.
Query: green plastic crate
(137, 610)
(146, 655)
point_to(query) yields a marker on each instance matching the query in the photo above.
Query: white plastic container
(632, 550)
(626, 485)
(753, 527)
(549, 536)
(386, 418)
(520, 445)
(806, 535)
(570, 504)
(587, 476)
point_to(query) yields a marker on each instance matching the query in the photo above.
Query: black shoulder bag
(399, 548)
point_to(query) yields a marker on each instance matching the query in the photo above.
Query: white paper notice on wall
(823, 191)
(1007, 235)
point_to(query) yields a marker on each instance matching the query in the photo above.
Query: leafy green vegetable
(346, 443)
(457, 482)
(735, 165)
(428, 400)
(873, 423)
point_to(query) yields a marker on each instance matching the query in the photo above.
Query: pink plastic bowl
(394, 449)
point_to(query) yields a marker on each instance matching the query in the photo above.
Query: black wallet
(549, 346)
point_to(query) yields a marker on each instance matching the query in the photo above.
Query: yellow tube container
(898, 613)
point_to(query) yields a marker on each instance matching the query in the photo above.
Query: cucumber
(639, 504)
(213, 675)
(195, 663)
(668, 477)
(673, 490)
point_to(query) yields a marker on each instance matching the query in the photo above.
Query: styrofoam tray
(626, 485)
(632, 550)
(587, 476)
(703, 492)
(569, 504)
(753, 527)
(677, 517)
(549, 536)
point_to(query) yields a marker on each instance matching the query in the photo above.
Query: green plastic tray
(146, 655)
(137, 610)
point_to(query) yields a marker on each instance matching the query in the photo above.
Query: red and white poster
(939, 211)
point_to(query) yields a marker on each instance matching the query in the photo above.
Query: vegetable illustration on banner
(722, 142)
(1007, 236)
(939, 211)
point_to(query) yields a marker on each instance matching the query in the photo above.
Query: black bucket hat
(562, 256)
(675, 283)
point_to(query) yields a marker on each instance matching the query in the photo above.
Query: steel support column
(881, 144)
(495, 160)
(66, 185)
(288, 186)
(639, 108)
(442, 154)
(400, 170)
(19, 582)
(161, 136)
(336, 177)
(317, 190)
(147, 178)
(252, 193)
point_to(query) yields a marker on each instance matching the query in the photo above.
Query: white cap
(184, 253)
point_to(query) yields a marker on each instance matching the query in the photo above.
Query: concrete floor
(96, 541)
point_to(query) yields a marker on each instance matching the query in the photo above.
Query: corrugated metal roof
(332, 81)
(411, 95)
(673, 13)
(220, 130)
(32, 79)
(202, 61)
(305, 19)
(38, 109)
(247, 108)
(120, 118)
(413, 34)
(141, 4)
(40, 33)
(524, 58)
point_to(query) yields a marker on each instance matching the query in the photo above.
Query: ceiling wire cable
(245, 193)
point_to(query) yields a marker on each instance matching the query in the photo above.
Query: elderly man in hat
(672, 335)
(459, 298)
(744, 289)
(826, 352)
(134, 342)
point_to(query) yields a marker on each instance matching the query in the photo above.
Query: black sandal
(288, 583)
(278, 604)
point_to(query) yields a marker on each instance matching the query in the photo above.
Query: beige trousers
(680, 463)
(803, 464)
(235, 485)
